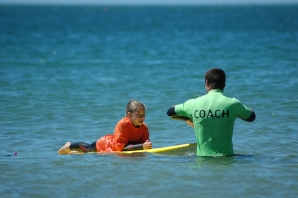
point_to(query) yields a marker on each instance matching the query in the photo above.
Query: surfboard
(177, 150)
(180, 149)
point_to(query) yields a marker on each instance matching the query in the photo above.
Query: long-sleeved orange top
(125, 133)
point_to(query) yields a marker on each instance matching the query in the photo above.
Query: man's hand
(190, 123)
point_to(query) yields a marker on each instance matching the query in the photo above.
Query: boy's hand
(147, 145)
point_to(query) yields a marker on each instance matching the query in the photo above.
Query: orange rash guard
(125, 133)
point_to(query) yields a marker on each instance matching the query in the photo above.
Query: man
(213, 116)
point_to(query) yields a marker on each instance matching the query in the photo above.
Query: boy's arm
(133, 147)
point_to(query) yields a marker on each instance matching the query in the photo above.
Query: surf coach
(213, 116)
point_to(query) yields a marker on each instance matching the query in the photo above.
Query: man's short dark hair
(216, 78)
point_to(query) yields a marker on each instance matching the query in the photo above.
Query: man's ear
(206, 83)
(207, 86)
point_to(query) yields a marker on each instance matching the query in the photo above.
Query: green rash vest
(213, 116)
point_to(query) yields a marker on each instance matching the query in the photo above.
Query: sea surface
(67, 73)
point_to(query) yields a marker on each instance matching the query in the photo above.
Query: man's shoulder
(228, 98)
(232, 102)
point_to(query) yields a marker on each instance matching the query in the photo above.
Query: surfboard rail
(176, 149)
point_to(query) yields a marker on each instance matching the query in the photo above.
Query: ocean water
(67, 72)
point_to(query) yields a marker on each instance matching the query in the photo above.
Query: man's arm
(252, 116)
(171, 113)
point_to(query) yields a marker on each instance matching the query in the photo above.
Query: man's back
(213, 116)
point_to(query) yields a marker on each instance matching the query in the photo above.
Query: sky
(148, 2)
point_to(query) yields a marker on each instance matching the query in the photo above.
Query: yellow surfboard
(177, 150)
(169, 150)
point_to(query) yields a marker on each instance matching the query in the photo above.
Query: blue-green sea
(67, 73)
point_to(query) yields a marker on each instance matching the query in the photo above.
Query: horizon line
(148, 4)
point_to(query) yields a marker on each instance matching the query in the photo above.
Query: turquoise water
(66, 74)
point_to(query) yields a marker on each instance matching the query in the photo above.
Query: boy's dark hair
(216, 78)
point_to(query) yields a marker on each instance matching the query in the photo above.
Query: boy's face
(137, 118)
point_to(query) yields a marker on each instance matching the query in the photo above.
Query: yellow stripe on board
(177, 149)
